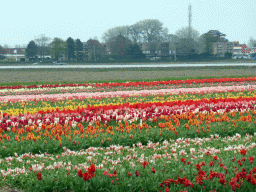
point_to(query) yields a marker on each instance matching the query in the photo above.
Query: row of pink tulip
(98, 95)
(50, 90)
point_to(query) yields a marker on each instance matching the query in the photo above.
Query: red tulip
(91, 169)
(39, 176)
(86, 176)
(243, 152)
(137, 173)
(144, 164)
(183, 160)
(80, 173)
(251, 159)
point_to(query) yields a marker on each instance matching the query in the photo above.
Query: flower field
(177, 135)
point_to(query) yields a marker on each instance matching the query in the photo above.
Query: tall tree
(115, 31)
(136, 33)
(79, 49)
(6, 46)
(172, 39)
(187, 42)
(96, 48)
(42, 43)
(201, 44)
(186, 46)
(252, 42)
(17, 46)
(71, 48)
(31, 50)
(135, 52)
(184, 33)
(219, 37)
(208, 40)
(58, 48)
(151, 30)
(164, 36)
(2, 53)
(118, 46)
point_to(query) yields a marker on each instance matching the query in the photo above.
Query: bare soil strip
(84, 75)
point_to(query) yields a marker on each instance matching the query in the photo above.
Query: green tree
(208, 43)
(31, 50)
(186, 46)
(187, 42)
(96, 48)
(71, 48)
(2, 52)
(118, 46)
(228, 55)
(58, 48)
(135, 52)
(79, 49)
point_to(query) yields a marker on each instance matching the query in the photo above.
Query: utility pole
(155, 50)
(175, 53)
(94, 53)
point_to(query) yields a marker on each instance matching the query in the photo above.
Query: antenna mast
(189, 19)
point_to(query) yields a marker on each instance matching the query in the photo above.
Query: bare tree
(252, 42)
(183, 33)
(136, 33)
(146, 31)
(172, 39)
(20, 46)
(187, 41)
(114, 32)
(17, 46)
(6, 46)
(95, 38)
(42, 44)
(201, 44)
(151, 30)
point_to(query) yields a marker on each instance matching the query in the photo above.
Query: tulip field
(177, 135)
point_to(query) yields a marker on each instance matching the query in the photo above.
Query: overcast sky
(24, 20)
